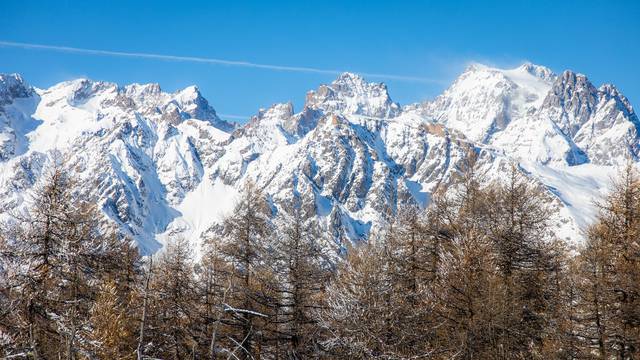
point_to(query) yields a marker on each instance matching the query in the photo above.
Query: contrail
(300, 69)
(234, 117)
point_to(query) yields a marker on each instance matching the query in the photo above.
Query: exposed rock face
(349, 94)
(17, 102)
(571, 101)
(135, 147)
(161, 164)
(601, 122)
(12, 87)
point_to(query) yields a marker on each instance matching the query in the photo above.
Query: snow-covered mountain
(162, 164)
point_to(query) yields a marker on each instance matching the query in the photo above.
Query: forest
(478, 274)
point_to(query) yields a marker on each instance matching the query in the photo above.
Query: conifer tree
(300, 267)
(378, 303)
(610, 273)
(215, 279)
(55, 253)
(112, 325)
(173, 308)
(518, 230)
(465, 294)
(244, 237)
(359, 321)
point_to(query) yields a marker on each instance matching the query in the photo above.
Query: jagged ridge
(162, 164)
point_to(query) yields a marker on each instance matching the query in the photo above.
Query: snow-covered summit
(539, 71)
(147, 99)
(12, 86)
(134, 146)
(17, 101)
(483, 100)
(530, 113)
(601, 122)
(351, 94)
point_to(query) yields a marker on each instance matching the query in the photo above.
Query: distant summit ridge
(161, 164)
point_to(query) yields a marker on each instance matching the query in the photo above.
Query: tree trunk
(139, 350)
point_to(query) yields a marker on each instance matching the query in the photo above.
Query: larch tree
(465, 293)
(173, 303)
(244, 237)
(55, 253)
(215, 283)
(301, 270)
(358, 320)
(112, 325)
(610, 273)
(518, 227)
(378, 303)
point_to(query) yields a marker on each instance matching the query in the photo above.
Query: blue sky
(432, 40)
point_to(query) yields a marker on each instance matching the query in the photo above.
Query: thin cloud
(213, 61)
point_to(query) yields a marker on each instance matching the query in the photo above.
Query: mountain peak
(11, 78)
(475, 66)
(142, 90)
(539, 71)
(610, 89)
(484, 100)
(190, 94)
(276, 113)
(190, 91)
(13, 86)
(349, 78)
(571, 85)
(160, 164)
(352, 94)
(196, 106)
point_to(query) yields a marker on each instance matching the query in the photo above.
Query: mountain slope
(161, 164)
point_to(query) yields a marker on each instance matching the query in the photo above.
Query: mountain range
(165, 164)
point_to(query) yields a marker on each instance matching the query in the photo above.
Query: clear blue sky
(427, 39)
